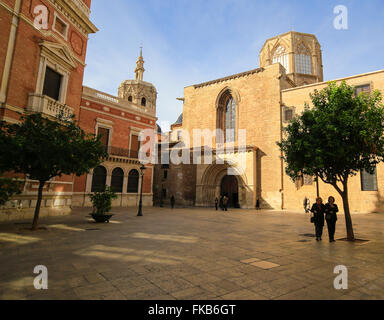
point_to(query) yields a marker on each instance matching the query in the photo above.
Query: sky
(186, 42)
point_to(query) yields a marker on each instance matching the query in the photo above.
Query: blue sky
(192, 41)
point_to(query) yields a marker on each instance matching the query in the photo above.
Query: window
(52, 84)
(117, 180)
(165, 174)
(99, 179)
(303, 64)
(179, 135)
(130, 98)
(60, 26)
(281, 56)
(303, 60)
(143, 102)
(363, 88)
(288, 114)
(133, 181)
(368, 181)
(164, 193)
(135, 147)
(226, 117)
(104, 133)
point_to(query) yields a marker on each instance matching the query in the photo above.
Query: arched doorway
(230, 187)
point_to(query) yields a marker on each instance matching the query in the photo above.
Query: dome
(179, 120)
(159, 129)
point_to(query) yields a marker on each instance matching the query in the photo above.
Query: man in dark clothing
(172, 201)
(216, 204)
(318, 210)
(225, 203)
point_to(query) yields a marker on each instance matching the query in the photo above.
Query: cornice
(75, 15)
(231, 77)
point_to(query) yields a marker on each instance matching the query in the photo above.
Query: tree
(44, 149)
(8, 188)
(341, 135)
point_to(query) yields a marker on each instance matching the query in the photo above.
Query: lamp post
(142, 171)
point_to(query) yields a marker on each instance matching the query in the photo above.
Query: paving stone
(112, 264)
(265, 265)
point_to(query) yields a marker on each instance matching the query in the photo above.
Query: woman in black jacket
(330, 216)
(318, 210)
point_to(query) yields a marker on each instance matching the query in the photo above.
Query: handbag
(312, 219)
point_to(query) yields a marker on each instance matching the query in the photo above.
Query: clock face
(77, 43)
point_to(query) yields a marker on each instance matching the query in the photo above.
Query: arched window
(143, 102)
(226, 117)
(281, 55)
(99, 179)
(130, 98)
(303, 60)
(133, 181)
(117, 180)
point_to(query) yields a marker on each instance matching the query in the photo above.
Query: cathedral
(260, 102)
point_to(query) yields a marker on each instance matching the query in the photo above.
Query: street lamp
(142, 171)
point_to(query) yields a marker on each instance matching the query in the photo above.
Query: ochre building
(261, 102)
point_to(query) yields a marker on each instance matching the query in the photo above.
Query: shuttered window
(104, 133)
(368, 181)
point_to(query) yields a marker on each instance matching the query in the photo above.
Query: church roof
(159, 129)
(179, 120)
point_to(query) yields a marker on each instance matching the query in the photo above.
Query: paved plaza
(190, 254)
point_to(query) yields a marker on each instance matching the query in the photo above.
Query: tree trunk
(38, 204)
(348, 219)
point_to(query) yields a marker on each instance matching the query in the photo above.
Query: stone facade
(265, 99)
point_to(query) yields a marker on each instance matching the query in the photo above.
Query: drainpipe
(10, 51)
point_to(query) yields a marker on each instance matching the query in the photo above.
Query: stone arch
(212, 178)
(302, 48)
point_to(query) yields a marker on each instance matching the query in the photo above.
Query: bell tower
(299, 53)
(139, 71)
(138, 92)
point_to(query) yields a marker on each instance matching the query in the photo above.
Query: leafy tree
(341, 135)
(8, 188)
(44, 149)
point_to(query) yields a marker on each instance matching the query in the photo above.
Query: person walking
(221, 203)
(318, 210)
(217, 204)
(331, 217)
(172, 201)
(225, 203)
(258, 204)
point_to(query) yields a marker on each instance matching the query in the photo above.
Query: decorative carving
(77, 43)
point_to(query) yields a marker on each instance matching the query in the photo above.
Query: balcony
(121, 152)
(46, 105)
